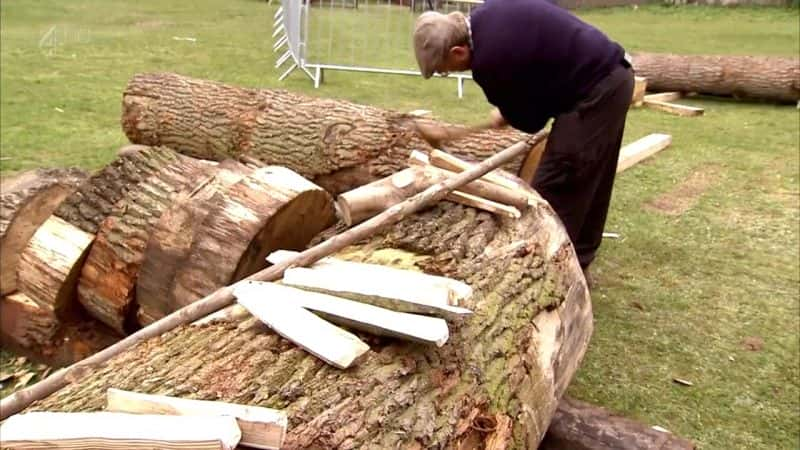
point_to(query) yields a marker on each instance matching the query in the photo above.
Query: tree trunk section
(51, 263)
(272, 209)
(172, 237)
(337, 144)
(25, 324)
(27, 201)
(755, 77)
(495, 384)
(107, 281)
(580, 426)
(97, 196)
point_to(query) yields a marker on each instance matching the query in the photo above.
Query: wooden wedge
(263, 428)
(327, 342)
(356, 315)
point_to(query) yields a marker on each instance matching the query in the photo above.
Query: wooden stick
(664, 97)
(261, 427)
(349, 313)
(641, 149)
(447, 161)
(672, 108)
(484, 204)
(21, 399)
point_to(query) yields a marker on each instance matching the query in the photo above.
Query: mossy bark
(337, 144)
(496, 382)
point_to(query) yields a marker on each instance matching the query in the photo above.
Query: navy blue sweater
(534, 60)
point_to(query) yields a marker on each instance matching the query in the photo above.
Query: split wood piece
(385, 293)
(643, 148)
(457, 292)
(527, 172)
(368, 200)
(327, 342)
(664, 97)
(340, 145)
(578, 425)
(486, 205)
(106, 430)
(487, 190)
(223, 297)
(639, 88)
(263, 428)
(673, 108)
(756, 77)
(356, 315)
(23, 323)
(273, 208)
(26, 201)
(447, 161)
(106, 287)
(50, 265)
(96, 197)
(172, 237)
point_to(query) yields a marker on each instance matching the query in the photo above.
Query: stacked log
(336, 144)
(751, 77)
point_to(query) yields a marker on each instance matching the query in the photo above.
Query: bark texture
(337, 144)
(756, 77)
(495, 384)
(27, 200)
(96, 197)
(580, 426)
(107, 280)
(272, 209)
(171, 240)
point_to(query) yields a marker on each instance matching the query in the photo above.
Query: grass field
(704, 284)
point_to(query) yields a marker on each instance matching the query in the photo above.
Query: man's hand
(496, 119)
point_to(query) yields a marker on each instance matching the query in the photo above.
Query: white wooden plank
(643, 148)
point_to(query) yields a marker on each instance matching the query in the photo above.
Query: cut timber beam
(641, 149)
(261, 427)
(396, 294)
(356, 315)
(327, 342)
(484, 204)
(48, 430)
(453, 291)
(447, 161)
(664, 97)
(672, 108)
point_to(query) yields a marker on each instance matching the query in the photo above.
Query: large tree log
(497, 380)
(27, 200)
(580, 426)
(272, 209)
(758, 77)
(25, 324)
(171, 240)
(108, 278)
(97, 196)
(337, 144)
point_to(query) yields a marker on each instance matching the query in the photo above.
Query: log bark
(172, 237)
(97, 196)
(25, 324)
(51, 263)
(533, 321)
(755, 77)
(272, 209)
(27, 201)
(337, 144)
(107, 282)
(581, 426)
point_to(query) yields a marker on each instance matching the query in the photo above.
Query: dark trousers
(577, 170)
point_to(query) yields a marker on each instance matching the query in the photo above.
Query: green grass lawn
(704, 284)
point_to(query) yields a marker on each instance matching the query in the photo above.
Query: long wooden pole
(224, 296)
